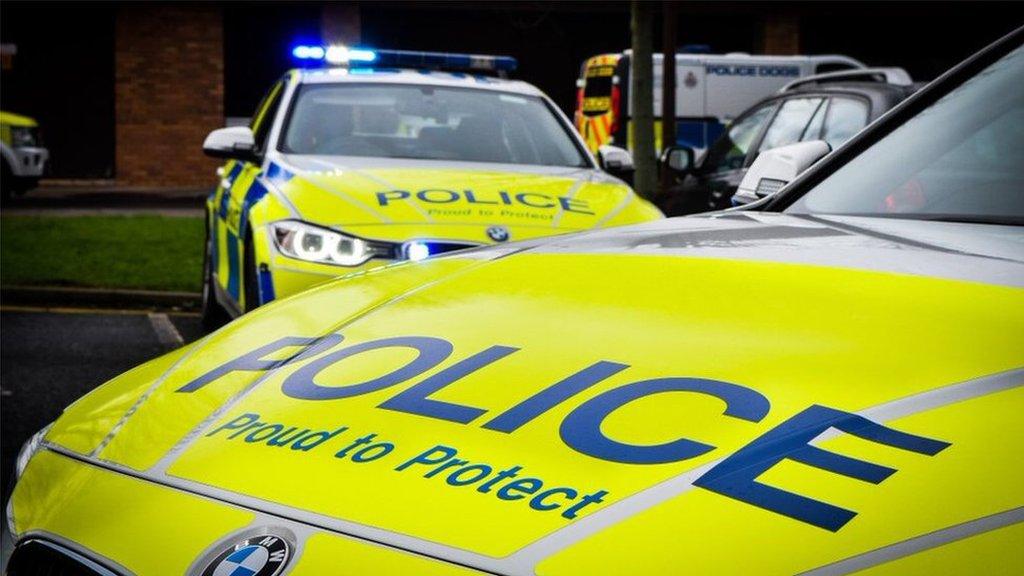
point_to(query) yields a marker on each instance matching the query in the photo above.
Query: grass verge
(141, 252)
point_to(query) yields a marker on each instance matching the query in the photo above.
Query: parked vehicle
(711, 90)
(827, 381)
(830, 107)
(392, 156)
(24, 157)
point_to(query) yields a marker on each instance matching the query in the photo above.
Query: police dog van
(711, 89)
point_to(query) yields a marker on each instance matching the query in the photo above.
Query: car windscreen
(960, 159)
(428, 123)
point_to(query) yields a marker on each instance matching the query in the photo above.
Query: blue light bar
(341, 55)
(360, 55)
(308, 52)
(443, 60)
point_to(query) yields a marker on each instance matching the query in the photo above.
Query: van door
(694, 127)
(596, 102)
(735, 84)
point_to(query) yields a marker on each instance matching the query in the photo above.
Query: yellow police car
(22, 156)
(829, 382)
(382, 156)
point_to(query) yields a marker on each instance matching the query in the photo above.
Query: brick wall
(781, 35)
(169, 93)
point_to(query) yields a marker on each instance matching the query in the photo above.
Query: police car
(382, 156)
(828, 382)
(22, 152)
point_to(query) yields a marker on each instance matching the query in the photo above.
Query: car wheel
(213, 314)
(250, 278)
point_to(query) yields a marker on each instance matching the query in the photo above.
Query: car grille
(45, 558)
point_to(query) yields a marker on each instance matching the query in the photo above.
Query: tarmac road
(51, 357)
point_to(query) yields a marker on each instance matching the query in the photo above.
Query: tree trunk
(642, 96)
(668, 85)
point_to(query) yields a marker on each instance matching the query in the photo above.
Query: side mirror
(236, 142)
(615, 160)
(777, 167)
(678, 159)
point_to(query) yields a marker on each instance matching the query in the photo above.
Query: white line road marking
(166, 333)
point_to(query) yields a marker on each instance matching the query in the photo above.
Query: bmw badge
(264, 555)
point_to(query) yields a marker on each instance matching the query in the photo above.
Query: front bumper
(29, 162)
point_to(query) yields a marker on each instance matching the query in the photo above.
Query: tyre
(213, 314)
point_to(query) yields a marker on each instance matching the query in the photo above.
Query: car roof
(924, 97)
(865, 88)
(881, 95)
(415, 77)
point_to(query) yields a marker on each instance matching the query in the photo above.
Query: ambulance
(711, 89)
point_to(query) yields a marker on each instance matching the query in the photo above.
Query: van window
(845, 118)
(788, 125)
(598, 87)
(597, 90)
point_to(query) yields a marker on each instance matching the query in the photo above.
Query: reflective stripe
(254, 194)
(214, 245)
(225, 198)
(233, 266)
(570, 193)
(349, 197)
(225, 193)
(632, 505)
(143, 398)
(920, 543)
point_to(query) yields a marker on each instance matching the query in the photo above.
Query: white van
(711, 89)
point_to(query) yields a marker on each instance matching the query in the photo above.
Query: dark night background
(65, 66)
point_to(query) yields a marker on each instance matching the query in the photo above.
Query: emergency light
(352, 57)
(334, 54)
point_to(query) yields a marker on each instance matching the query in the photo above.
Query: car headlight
(322, 245)
(23, 136)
